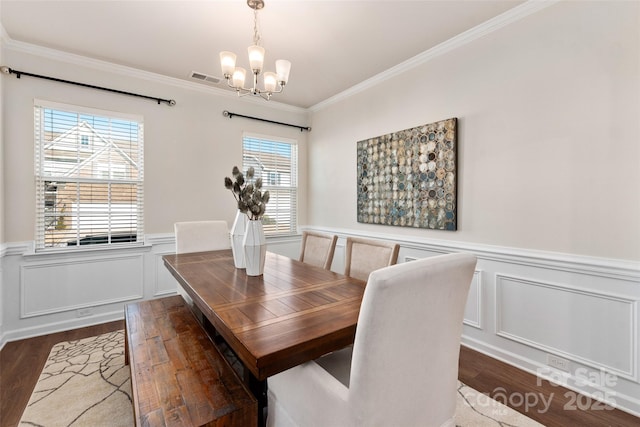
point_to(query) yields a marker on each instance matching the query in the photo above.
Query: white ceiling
(332, 44)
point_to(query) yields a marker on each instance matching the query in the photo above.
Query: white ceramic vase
(237, 239)
(255, 248)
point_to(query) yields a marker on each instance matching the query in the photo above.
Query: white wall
(548, 193)
(548, 113)
(189, 149)
(548, 185)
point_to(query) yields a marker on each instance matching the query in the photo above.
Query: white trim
(75, 109)
(632, 374)
(522, 11)
(595, 266)
(65, 325)
(527, 8)
(159, 263)
(84, 61)
(133, 294)
(477, 277)
(160, 239)
(4, 36)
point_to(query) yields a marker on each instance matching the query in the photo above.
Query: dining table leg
(259, 390)
(257, 387)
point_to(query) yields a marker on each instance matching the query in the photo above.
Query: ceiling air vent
(204, 77)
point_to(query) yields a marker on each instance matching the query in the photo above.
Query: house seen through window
(275, 160)
(89, 176)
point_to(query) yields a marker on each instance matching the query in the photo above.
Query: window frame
(135, 184)
(293, 188)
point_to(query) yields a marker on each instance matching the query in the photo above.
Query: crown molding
(96, 64)
(527, 8)
(519, 12)
(3, 34)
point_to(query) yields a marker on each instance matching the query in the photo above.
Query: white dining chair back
(362, 256)
(402, 369)
(200, 236)
(318, 249)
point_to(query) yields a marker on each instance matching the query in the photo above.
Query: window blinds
(276, 162)
(89, 177)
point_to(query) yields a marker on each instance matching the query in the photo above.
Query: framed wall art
(409, 178)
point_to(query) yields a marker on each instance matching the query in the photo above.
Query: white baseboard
(61, 326)
(624, 402)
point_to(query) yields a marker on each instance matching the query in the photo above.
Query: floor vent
(204, 77)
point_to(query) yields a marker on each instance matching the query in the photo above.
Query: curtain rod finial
(6, 70)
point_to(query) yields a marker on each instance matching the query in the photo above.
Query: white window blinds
(89, 176)
(276, 162)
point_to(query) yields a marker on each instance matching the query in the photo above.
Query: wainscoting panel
(53, 287)
(569, 322)
(473, 309)
(523, 305)
(165, 284)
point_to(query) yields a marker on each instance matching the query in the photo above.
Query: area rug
(85, 383)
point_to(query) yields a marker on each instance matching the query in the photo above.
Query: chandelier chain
(256, 35)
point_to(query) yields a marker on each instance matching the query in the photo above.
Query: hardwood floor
(540, 400)
(21, 363)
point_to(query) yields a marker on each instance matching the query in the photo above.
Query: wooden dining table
(291, 314)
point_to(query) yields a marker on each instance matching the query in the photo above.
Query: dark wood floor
(21, 363)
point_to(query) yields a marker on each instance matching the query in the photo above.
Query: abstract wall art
(408, 178)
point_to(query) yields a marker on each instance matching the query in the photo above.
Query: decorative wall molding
(164, 284)
(590, 314)
(610, 286)
(475, 302)
(83, 61)
(522, 11)
(18, 248)
(593, 266)
(51, 287)
(473, 309)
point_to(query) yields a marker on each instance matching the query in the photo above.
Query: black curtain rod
(230, 115)
(7, 70)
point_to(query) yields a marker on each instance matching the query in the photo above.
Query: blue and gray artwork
(408, 178)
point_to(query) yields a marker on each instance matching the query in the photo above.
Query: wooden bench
(178, 376)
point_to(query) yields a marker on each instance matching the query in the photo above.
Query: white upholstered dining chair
(362, 256)
(317, 249)
(402, 369)
(200, 236)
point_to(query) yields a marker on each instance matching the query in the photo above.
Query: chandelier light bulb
(228, 63)
(256, 58)
(270, 82)
(283, 68)
(239, 75)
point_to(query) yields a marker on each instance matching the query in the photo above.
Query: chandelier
(235, 76)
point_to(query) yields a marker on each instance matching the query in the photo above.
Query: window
(276, 162)
(89, 176)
